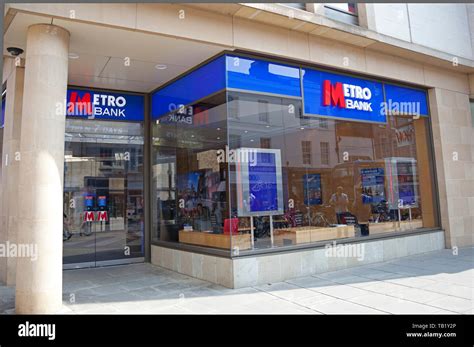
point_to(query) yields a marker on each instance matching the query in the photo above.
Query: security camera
(15, 51)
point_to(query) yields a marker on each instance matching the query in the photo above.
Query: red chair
(231, 224)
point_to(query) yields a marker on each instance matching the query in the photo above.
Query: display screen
(373, 185)
(102, 201)
(263, 183)
(312, 189)
(259, 183)
(89, 201)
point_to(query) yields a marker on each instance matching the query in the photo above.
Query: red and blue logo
(93, 104)
(338, 96)
(348, 96)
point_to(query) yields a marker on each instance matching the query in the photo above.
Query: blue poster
(373, 185)
(312, 189)
(341, 96)
(93, 104)
(263, 190)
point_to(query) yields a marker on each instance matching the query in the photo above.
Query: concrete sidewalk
(431, 283)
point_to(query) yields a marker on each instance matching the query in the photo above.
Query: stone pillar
(39, 281)
(9, 217)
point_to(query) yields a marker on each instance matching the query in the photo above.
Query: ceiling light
(73, 55)
(161, 66)
(218, 138)
(267, 126)
(218, 129)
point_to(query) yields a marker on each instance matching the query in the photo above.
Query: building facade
(237, 143)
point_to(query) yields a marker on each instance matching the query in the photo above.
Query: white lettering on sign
(108, 100)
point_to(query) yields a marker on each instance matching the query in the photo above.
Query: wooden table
(312, 234)
(242, 241)
(385, 227)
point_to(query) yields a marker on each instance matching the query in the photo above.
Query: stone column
(39, 281)
(9, 216)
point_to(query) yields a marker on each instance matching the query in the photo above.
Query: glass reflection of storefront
(250, 154)
(103, 179)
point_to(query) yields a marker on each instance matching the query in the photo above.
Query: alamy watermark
(355, 250)
(239, 155)
(14, 250)
(396, 108)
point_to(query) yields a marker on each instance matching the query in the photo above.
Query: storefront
(251, 154)
(103, 178)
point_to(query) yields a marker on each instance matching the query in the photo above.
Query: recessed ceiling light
(246, 131)
(251, 140)
(302, 128)
(267, 126)
(218, 129)
(73, 55)
(160, 66)
(192, 135)
(218, 138)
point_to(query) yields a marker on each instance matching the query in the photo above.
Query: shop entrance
(103, 193)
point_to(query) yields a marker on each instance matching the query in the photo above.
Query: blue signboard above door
(93, 104)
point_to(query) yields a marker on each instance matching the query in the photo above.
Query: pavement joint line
(315, 291)
(284, 299)
(347, 300)
(405, 299)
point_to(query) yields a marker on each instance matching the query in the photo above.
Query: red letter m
(102, 216)
(333, 94)
(80, 106)
(89, 216)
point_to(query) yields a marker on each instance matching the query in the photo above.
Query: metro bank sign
(341, 96)
(347, 96)
(93, 104)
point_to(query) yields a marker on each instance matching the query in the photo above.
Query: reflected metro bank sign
(92, 104)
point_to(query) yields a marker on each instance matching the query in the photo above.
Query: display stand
(252, 232)
(407, 207)
(271, 229)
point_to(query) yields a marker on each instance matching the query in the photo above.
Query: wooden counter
(242, 241)
(312, 234)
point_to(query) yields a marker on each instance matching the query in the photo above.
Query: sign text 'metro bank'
(342, 96)
(92, 104)
(347, 96)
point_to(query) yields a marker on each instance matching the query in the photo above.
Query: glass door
(79, 244)
(103, 194)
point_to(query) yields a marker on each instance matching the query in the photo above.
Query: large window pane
(189, 175)
(340, 179)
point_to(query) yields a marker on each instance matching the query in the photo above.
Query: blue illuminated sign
(92, 104)
(202, 82)
(404, 100)
(341, 96)
(324, 94)
(262, 76)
